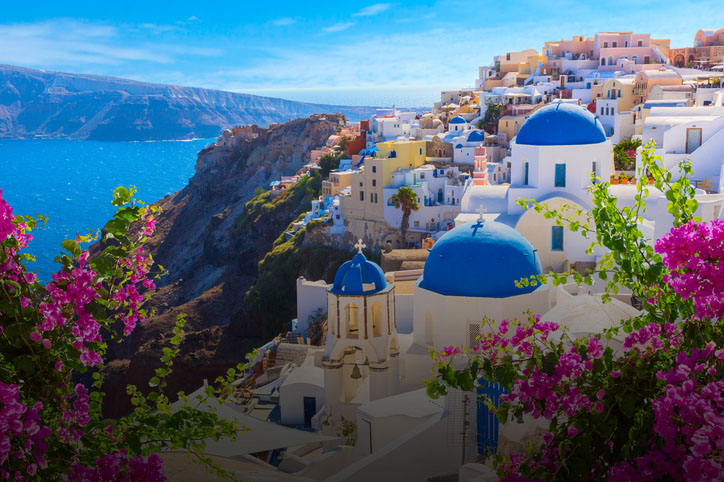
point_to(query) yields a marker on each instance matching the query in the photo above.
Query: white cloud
(284, 21)
(155, 28)
(192, 18)
(85, 46)
(361, 64)
(371, 10)
(338, 27)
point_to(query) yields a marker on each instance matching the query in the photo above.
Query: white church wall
(542, 162)
(441, 321)
(538, 231)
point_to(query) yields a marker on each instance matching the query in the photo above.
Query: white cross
(482, 212)
(359, 246)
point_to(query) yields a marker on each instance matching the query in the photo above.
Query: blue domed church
(475, 270)
(553, 158)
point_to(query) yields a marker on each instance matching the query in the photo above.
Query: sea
(71, 181)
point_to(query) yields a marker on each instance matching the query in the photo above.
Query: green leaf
(71, 246)
(121, 196)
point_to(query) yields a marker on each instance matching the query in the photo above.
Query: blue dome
(459, 146)
(359, 277)
(458, 120)
(561, 124)
(476, 136)
(481, 260)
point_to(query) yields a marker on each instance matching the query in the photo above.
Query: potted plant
(614, 179)
(624, 178)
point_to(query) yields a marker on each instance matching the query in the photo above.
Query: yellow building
(511, 124)
(338, 181)
(622, 90)
(363, 210)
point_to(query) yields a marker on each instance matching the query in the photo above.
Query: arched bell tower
(362, 350)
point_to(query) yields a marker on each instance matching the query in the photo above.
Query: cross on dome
(359, 246)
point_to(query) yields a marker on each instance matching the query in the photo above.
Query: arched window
(603, 60)
(429, 338)
(351, 312)
(377, 319)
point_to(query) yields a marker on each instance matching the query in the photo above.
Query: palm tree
(406, 200)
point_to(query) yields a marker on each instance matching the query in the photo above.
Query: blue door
(560, 175)
(488, 424)
(310, 410)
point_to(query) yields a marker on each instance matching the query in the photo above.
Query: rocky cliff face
(35, 103)
(212, 258)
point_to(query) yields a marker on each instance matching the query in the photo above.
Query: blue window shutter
(557, 238)
(560, 175)
(525, 178)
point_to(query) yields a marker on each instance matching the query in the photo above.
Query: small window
(374, 168)
(374, 182)
(417, 224)
(337, 216)
(641, 43)
(560, 175)
(557, 238)
(605, 45)
(614, 44)
(525, 174)
(422, 175)
(361, 195)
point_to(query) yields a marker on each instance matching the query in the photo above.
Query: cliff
(230, 268)
(36, 103)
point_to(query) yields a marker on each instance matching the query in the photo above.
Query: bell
(356, 375)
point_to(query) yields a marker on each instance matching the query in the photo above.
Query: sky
(344, 52)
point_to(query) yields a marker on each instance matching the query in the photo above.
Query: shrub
(654, 411)
(55, 335)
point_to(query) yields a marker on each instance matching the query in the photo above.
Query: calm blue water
(71, 181)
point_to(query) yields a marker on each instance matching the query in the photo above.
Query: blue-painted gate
(487, 420)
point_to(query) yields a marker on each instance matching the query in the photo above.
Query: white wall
(401, 459)
(311, 296)
(541, 171)
(291, 400)
(583, 94)
(537, 230)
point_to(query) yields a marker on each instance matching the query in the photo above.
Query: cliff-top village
(340, 396)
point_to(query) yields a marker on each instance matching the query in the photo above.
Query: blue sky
(286, 47)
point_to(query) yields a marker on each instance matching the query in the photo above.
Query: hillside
(36, 103)
(230, 269)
